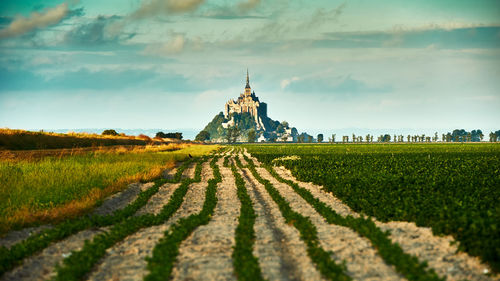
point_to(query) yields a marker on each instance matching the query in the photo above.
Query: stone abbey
(247, 102)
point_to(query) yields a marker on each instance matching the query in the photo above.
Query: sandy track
(157, 201)
(188, 173)
(126, 260)
(206, 253)
(41, 266)
(121, 199)
(16, 236)
(362, 259)
(419, 241)
(281, 253)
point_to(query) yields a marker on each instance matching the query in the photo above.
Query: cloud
(173, 46)
(157, 7)
(285, 82)
(439, 37)
(248, 5)
(101, 30)
(344, 86)
(21, 25)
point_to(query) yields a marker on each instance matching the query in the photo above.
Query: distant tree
(109, 132)
(333, 138)
(229, 134)
(320, 137)
(251, 135)
(161, 135)
(235, 134)
(309, 139)
(202, 136)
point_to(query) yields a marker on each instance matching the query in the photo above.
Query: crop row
(406, 264)
(78, 264)
(308, 232)
(160, 264)
(452, 188)
(246, 265)
(14, 256)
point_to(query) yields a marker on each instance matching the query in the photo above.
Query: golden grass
(51, 189)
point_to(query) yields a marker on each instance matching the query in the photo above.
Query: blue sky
(320, 65)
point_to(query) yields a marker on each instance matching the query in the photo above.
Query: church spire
(248, 81)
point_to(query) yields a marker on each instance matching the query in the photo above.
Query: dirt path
(126, 260)
(281, 253)
(121, 199)
(438, 251)
(206, 253)
(157, 201)
(188, 173)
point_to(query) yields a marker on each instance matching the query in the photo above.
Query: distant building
(247, 102)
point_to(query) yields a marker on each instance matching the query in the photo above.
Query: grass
(22, 140)
(57, 188)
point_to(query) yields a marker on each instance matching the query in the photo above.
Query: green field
(33, 190)
(453, 188)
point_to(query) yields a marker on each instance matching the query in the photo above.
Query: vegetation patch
(160, 264)
(406, 264)
(78, 264)
(308, 233)
(53, 189)
(452, 188)
(246, 265)
(14, 256)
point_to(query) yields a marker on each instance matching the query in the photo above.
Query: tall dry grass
(54, 188)
(13, 139)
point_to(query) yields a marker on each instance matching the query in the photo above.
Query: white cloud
(22, 25)
(285, 82)
(174, 46)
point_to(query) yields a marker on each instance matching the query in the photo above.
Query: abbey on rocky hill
(246, 114)
(247, 102)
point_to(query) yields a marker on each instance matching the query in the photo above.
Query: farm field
(251, 213)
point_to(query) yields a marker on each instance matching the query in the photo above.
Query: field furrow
(189, 171)
(126, 260)
(206, 253)
(121, 199)
(41, 266)
(157, 201)
(440, 253)
(344, 245)
(282, 254)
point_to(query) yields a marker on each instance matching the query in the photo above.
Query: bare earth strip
(362, 259)
(189, 171)
(16, 236)
(206, 253)
(281, 253)
(42, 265)
(419, 241)
(126, 260)
(121, 199)
(157, 201)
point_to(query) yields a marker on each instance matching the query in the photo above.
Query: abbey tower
(248, 102)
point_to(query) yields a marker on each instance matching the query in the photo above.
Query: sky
(322, 65)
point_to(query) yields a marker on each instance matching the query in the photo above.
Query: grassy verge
(160, 264)
(22, 140)
(308, 233)
(76, 266)
(13, 256)
(406, 264)
(246, 265)
(54, 189)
